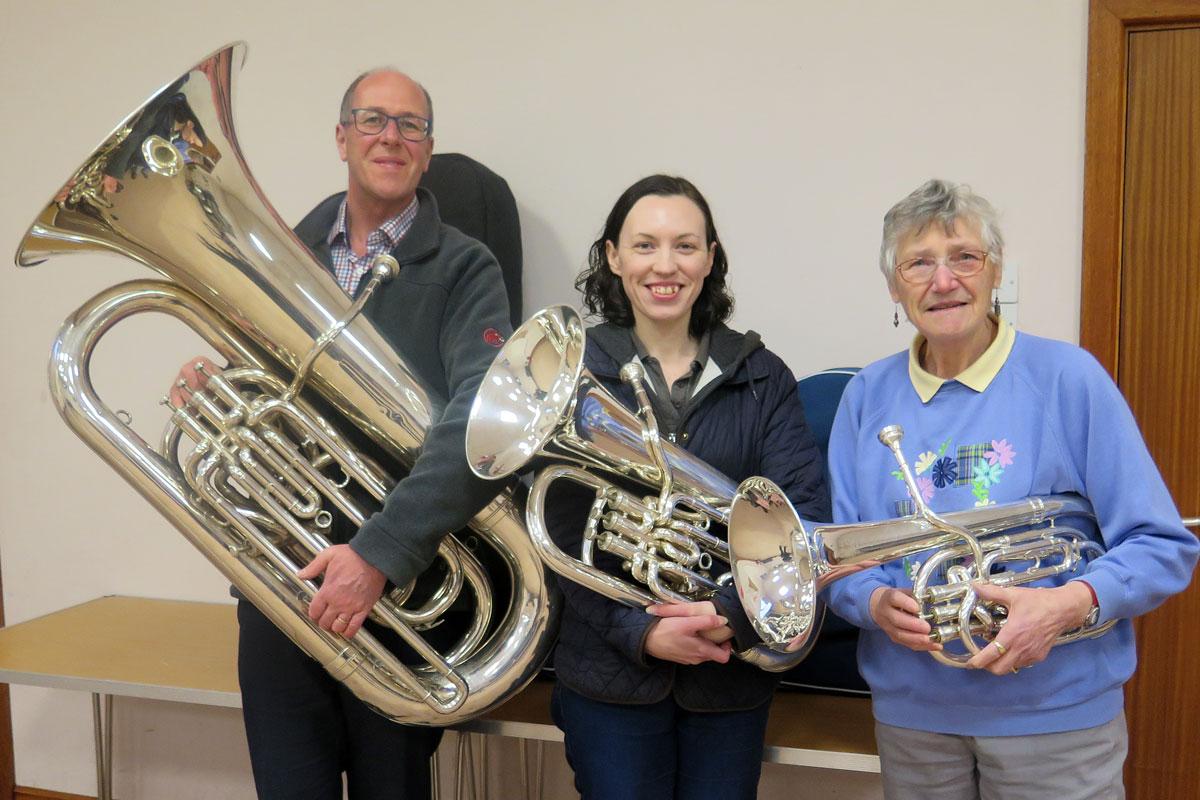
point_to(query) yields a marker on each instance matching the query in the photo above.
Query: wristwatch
(1093, 616)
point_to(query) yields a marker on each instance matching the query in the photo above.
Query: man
(445, 313)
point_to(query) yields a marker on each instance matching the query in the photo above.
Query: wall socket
(1008, 294)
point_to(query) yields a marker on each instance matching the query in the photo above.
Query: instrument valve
(243, 549)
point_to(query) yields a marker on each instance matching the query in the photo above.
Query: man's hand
(1036, 617)
(895, 611)
(349, 591)
(686, 633)
(193, 376)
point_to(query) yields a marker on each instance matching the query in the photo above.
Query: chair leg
(465, 759)
(539, 750)
(102, 732)
(483, 767)
(434, 779)
(523, 755)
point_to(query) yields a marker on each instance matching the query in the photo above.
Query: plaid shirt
(349, 268)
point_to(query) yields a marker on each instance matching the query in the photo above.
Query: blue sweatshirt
(1049, 421)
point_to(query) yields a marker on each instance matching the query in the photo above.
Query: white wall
(801, 121)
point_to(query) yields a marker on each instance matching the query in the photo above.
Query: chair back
(832, 666)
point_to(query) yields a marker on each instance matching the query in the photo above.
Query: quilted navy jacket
(749, 421)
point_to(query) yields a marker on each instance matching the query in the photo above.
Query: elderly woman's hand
(895, 611)
(1036, 617)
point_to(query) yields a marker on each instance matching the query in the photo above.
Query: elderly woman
(652, 705)
(991, 416)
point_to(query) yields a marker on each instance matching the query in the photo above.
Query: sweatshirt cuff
(1107, 591)
(850, 598)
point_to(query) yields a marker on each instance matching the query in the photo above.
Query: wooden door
(7, 765)
(1140, 315)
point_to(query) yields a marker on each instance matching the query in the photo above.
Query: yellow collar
(977, 376)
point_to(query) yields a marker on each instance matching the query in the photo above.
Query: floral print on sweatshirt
(979, 466)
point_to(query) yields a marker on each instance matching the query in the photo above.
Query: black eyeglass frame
(389, 118)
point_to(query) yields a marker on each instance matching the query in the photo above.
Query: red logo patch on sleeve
(493, 337)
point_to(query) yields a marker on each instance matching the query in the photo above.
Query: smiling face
(384, 167)
(951, 312)
(662, 259)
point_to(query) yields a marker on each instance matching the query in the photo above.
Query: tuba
(537, 402)
(270, 456)
(782, 562)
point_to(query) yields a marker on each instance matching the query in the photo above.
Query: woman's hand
(689, 633)
(895, 611)
(1036, 617)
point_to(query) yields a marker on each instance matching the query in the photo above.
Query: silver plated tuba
(537, 403)
(781, 562)
(256, 488)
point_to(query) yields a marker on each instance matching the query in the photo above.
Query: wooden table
(185, 652)
(131, 646)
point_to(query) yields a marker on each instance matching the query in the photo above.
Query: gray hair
(348, 97)
(945, 203)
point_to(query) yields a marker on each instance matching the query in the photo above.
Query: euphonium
(537, 402)
(170, 189)
(781, 563)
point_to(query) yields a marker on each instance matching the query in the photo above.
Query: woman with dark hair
(652, 704)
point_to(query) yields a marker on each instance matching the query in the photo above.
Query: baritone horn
(270, 460)
(538, 403)
(778, 558)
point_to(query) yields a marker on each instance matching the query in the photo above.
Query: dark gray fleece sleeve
(441, 494)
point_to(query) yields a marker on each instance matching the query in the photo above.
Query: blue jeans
(660, 751)
(305, 729)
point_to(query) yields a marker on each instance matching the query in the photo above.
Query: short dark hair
(348, 95)
(602, 290)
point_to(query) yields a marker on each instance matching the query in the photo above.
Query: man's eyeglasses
(963, 264)
(370, 121)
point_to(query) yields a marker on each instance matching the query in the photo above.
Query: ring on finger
(1015, 670)
(343, 620)
(1001, 649)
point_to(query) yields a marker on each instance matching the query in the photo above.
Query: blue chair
(820, 394)
(832, 666)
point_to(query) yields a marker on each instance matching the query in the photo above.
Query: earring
(896, 317)
(996, 303)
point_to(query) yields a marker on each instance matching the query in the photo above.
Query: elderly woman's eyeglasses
(963, 264)
(370, 121)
